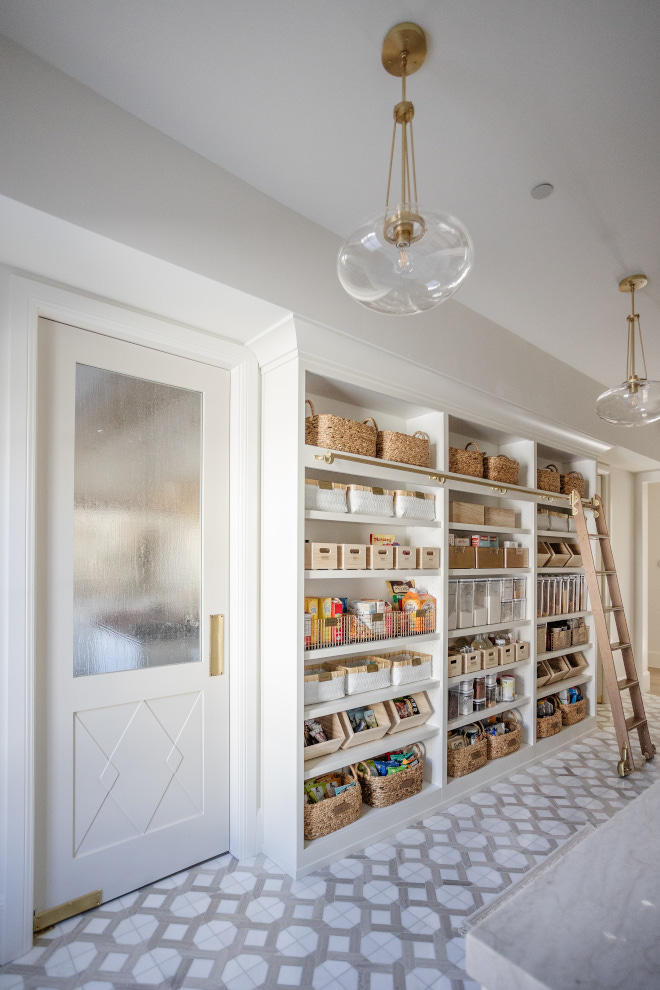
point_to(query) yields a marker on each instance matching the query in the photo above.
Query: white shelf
(562, 653)
(368, 698)
(559, 570)
(356, 754)
(488, 670)
(558, 618)
(471, 528)
(368, 828)
(485, 572)
(369, 648)
(382, 521)
(398, 573)
(456, 633)
(504, 706)
(389, 471)
(569, 682)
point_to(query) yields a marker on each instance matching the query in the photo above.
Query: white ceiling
(291, 96)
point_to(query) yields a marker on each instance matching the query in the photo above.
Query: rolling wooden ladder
(615, 686)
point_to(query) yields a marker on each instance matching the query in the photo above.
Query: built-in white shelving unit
(287, 524)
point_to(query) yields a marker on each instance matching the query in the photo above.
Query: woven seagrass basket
(570, 714)
(460, 762)
(501, 468)
(549, 726)
(466, 461)
(326, 430)
(381, 792)
(335, 812)
(573, 480)
(505, 744)
(548, 479)
(406, 449)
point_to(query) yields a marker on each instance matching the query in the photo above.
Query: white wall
(653, 574)
(76, 156)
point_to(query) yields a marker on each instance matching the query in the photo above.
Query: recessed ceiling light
(543, 190)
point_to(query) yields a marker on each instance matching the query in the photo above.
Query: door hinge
(50, 917)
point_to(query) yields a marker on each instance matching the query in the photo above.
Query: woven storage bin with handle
(335, 812)
(326, 430)
(501, 468)
(460, 762)
(570, 714)
(405, 449)
(466, 461)
(573, 480)
(507, 743)
(551, 725)
(548, 479)
(381, 792)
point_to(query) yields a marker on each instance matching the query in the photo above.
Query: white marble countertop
(590, 922)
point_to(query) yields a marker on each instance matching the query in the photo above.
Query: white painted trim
(641, 559)
(336, 354)
(30, 300)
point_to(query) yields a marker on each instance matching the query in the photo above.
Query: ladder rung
(613, 608)
(597, 536)
(605, 572)
(619, 646)
(634, 722)
(626, 683)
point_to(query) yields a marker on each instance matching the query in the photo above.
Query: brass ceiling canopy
(408, 38)
(632, 283)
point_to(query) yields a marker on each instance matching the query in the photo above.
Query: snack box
(488, 540)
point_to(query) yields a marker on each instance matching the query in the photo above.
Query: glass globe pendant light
(636, 402)
(406, 259)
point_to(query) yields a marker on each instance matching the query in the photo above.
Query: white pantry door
(132, 777)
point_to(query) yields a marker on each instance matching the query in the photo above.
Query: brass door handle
(217, 650)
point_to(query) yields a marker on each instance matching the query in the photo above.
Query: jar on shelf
(479, 689)
(491, 690)
(465, 698)
(452, 703)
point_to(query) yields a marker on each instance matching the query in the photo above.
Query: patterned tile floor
(391, 917)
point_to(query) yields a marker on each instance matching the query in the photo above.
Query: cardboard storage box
(489, 557)
(461, 557)
(494, 516)
(516, 557)
(466, 512)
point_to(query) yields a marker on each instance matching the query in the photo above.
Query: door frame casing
(30, 300)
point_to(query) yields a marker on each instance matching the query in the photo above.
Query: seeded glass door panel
(137, 523)
(132, 559)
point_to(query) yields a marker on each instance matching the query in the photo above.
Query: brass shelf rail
(330, 456)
